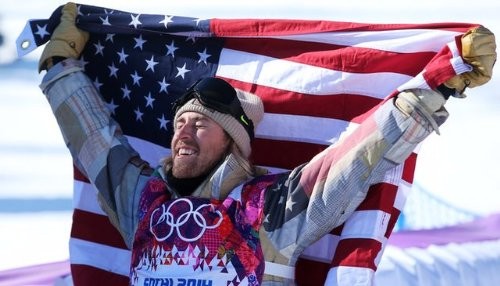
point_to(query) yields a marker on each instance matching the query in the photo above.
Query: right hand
(478, 50)
(67, 40)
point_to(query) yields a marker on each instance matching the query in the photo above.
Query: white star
(109, 37)
(113, 70)
(282, 199)
(42, 31)
(289, 204)
(99, 48)
(163, 122)
(151, 64)
(168, 19)
(135, 20)
(136, 78)
(105, 21)
(182, 71)
(123, 56)
(139, 42)
(108, 12)
(126, 92)
(171, 49)
(97, 84)
(164, 85)
(138, 114)
(112, 106)
(149, 100)
(203, 56)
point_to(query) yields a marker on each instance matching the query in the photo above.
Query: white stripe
(279, 270)
(299, 128)
(346, 275)
(150, 152)
(367, 224)
(303, 78)
(399, 41)
(402, 194)
(104, 257)
(85, 198)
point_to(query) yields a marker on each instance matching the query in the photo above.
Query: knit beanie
(252, 106)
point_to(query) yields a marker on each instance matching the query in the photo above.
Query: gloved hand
(67, 40)
(478, 50)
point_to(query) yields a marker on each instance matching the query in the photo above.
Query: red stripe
(280, 27)
(439, 69)
(338, 230)
(79, 176)
(281, 154)
(339, 106)
(392, 221)
(310, 272)
(357, 252)
(95, 228)
(380, 197)
(409, 168)
(334, 57)
(84, 275)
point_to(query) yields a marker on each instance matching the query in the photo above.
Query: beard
(200, 163)
(192, 168)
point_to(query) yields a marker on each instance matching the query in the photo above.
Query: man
(206, 216)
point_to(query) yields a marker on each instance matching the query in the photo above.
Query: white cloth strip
(279, 270)
(457, 62)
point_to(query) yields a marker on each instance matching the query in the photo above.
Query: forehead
(194, 116)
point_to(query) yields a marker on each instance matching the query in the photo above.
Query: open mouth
(185, 152)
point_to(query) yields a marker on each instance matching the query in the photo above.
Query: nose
(184, 131)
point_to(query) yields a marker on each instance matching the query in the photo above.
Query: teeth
(183, 151)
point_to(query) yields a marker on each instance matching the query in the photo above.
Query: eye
(178, 125)
(199, 125)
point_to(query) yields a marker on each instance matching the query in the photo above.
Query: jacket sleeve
(316, 197)
(96, 143)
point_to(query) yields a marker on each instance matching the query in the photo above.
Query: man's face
(198, 144)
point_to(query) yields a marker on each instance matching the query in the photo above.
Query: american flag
(318, 80)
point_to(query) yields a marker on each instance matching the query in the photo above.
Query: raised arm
(95, 140)
(323, 193)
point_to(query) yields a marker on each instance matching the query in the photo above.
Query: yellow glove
(478, 50)
(67, 40)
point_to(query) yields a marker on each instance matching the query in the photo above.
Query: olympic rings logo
(176, 223)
